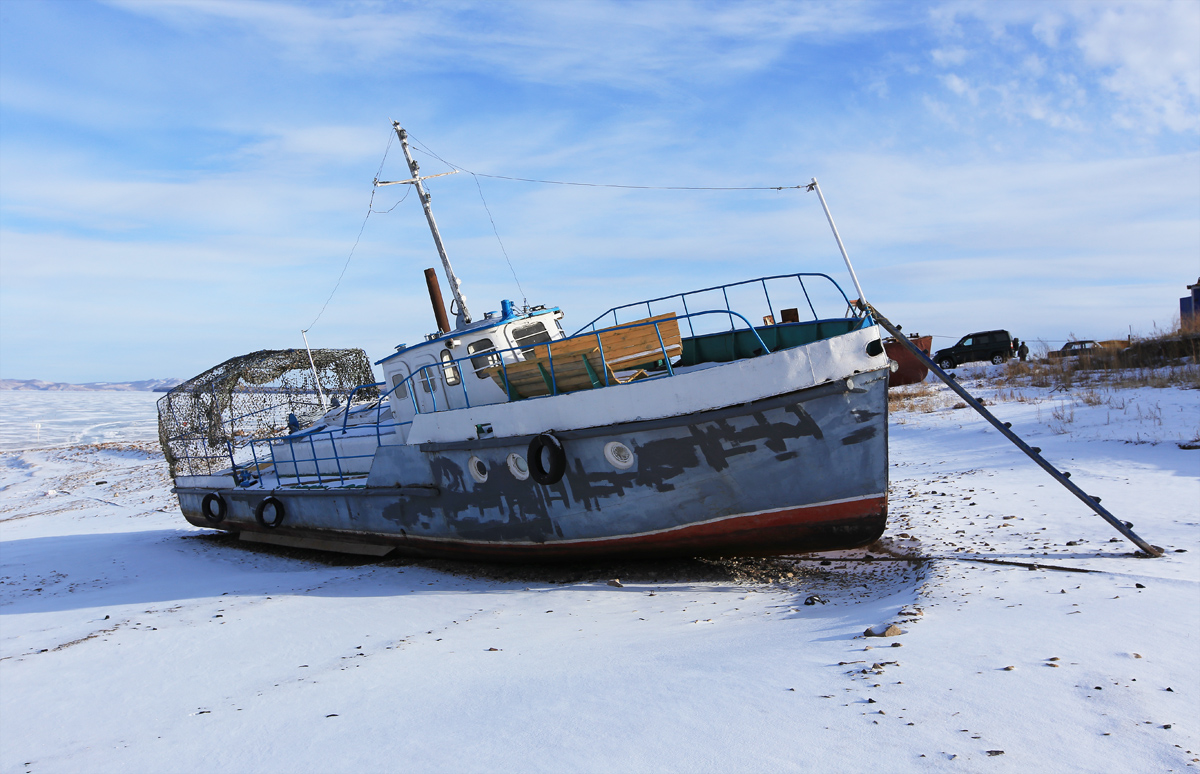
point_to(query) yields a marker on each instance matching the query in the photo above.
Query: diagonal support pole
(1032, 452)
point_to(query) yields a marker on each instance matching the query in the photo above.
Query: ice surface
(73, 417)
(129, 644)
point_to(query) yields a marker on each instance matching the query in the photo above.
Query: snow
(128, 642)
(36, 418)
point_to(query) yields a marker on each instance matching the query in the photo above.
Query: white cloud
(1145, 55)
(636, 45)
(1151, 55)
(948, 57)
(960, 87)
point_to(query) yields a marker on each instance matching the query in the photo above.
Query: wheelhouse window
(450, 369)
(482, 361)
(528, 335)
(400, 389)
(427, 379)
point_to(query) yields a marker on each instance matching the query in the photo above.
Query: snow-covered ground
(31, 418)
(130, 643)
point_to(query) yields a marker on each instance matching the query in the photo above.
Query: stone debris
(616, 582)
(889, 630)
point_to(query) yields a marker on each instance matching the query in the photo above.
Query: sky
(183, 181)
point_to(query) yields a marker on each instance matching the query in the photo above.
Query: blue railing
(428, 377)
(422, 375)
(683, 297)
(341, 460)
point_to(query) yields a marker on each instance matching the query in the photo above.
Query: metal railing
(342, 460)
(423, 376)
(683, 297)
(344, 471)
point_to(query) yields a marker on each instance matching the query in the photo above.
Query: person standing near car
(1022, 349)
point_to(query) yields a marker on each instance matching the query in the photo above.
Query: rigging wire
(807, 186)
(425, 149)
(524, 298)
(476, 175)
(370, 209)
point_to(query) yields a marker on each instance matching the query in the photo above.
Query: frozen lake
(32, 418)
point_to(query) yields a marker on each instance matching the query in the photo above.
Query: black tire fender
(558, 459)
(261, 509)
(206, 510)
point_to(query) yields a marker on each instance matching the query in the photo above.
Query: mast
(862, 297)
(463, 316)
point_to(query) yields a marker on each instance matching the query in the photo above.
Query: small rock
(493, 649)
(1172, 690)
(901, 645)
(332, 715)
(1072, 543)
(1053, 658)
(871, 701)
(616, 582)
(1135, 655)
(813, 600)
(1009, 668)
(1168, 725)
(1051, 664)
(891, 630)
(995, 752)
(1138, 586)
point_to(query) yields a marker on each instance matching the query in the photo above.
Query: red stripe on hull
(824, 527)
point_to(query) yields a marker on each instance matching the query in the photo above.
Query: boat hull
(910, 369)
(802, 471)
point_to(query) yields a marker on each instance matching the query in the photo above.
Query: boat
(671, 426)
(909, 369)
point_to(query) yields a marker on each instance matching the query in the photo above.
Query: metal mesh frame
(206, 424)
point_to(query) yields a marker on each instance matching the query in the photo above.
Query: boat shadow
(87, 571)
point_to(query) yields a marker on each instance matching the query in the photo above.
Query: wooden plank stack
(591, 361)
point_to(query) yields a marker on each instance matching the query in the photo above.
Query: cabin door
(426, 385)
(401, 397)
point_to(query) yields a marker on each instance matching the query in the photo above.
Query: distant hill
(145, 385)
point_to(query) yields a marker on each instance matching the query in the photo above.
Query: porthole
(618, 455)
(518, 467)
(478, 469)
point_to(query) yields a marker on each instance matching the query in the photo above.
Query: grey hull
(803, 471)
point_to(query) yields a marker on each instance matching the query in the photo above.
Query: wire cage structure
(206, 425)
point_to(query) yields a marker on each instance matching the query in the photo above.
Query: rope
(370, 209)
(425, 149)
(524, 298)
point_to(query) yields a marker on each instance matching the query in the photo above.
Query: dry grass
(922, 397)
(1170, 359)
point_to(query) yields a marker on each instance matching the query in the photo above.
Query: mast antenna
(463, 315)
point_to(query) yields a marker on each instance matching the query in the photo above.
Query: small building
(1189, 307)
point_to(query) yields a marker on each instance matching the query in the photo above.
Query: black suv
(995, 346)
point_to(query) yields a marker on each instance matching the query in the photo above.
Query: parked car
(1074, 349)
(995, 346)
(1087, 347)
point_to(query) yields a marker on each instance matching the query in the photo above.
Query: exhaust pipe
(435, 298)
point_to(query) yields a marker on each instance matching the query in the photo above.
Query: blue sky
(181, 182)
